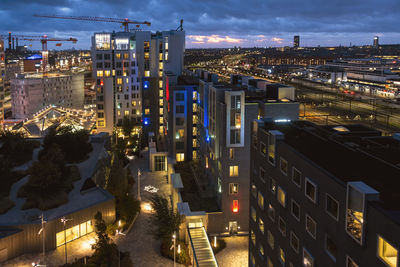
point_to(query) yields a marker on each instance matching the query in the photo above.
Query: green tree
(127, 126)
(164, 220)
(117, 181)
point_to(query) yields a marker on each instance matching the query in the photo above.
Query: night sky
(216, 23)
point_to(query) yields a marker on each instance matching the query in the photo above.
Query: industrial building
(323, 195)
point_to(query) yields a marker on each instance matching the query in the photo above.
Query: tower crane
(45, 53)
(15, 37)
(125, 22)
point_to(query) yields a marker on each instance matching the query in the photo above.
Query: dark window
(107, 56)
(296, 177)
(272, 185)
(180, 108)
(311, 226)
(331, 247)
(179, 97)
(311, 190)
(282, 226)
(235, 136)
(119, 65)
(179, 121)
(107, 65)
(263, 149)
(284, 166)
(332, 206)
(295, 210)
(99, 56)
(271, 212)
(100, 115)
(180, 145)
(126, 64)
(294, 242)
(99, 65)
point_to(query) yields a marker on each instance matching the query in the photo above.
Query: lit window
(330, 247)
(254, 190)
(272, 185)
(271, 149)
(146, 111)
(180, 157)
(311, 190)
(107, 73)
(282, 226)
(126, 112)
(161, 111)
(263, 149)
(311, 226)
(296, 177)
(146, 73)
(261, 225)
(253, 214)
(161, 93)
(284, 166)
(281, 196)
(262, 250)
(119, 112)
(166, 55)
(118, 56)
(260, 200)
(282, 255)
(271, 212)
(295, 210)
(271, 239)
(160, 84)
(233, 188)
(126, 56)
(294, 242)
(387, 253)
(269, 263)
(231, 153)
(253, 237)
(332, 206)
(308, 260)
(119, 80)
(99, 73)
(233, 171)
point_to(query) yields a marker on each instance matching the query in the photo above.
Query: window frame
(309, 254)
(291, 210)
(266, 150)
(272, 219)
(269, 185)
(293, 169)
(313, 236)
(263, 179)
(292, 234)
(326, 206)
(280, 166)
(316, 190)
(326, 248)
(277, 196)
(377, 250)
(353, 261)
(237, 188)
(280, 219)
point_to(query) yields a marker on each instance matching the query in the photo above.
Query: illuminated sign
(235, 207)
(146, 84)
(121, 44)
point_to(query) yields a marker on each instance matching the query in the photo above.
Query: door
(233, 228)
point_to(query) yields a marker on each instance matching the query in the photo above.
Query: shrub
(182, 258)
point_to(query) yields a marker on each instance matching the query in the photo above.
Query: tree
(127, 126)
(165, 220)
(117, 181)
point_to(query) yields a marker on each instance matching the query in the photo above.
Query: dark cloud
(325, 22)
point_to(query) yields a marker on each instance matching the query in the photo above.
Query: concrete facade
(31, 93)
(300, 160)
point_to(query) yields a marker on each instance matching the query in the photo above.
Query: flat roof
(359, 154)
(77, 200)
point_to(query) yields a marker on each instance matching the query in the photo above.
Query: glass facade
(74, 232)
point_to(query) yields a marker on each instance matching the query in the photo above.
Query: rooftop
(350, 153)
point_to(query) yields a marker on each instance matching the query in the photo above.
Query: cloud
(276, 40)
(231, 22)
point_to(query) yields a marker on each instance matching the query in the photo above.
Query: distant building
(323, 196)
(128, 69)
(32, 92)
(2, 78)
(376, 41)
(32, 63)
(296, 41)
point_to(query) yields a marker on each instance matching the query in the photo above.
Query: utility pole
(41, 231)
(64, 221)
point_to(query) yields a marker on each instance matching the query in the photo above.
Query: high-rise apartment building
(32, 92)
(323, 196)
(296, 41)
(128, 69)
(2, 78)
(225, 113)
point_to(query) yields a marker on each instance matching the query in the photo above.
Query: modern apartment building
(323, 196)
(225, 113)
(182, 116)
(2, 78)
(128, 68)
(32, 92)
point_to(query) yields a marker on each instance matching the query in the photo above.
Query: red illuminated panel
(101, 83)
(167, 87)
(235, 207)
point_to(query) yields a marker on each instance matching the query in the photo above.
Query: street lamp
(41, 231)
(139, 174)
(117, 232)
(174, 245)
(64, 221)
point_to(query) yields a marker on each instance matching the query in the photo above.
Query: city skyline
(222, 24)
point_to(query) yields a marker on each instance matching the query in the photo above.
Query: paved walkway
(144, 249)
(236, 252)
